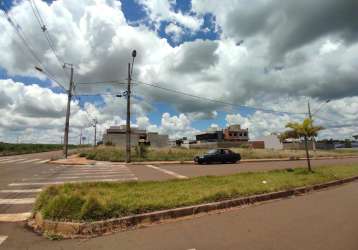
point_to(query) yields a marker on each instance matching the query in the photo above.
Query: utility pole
(310, 116)
(128, 124)
(95, 131)
(128, 127)
(81, 136)
(68, 111)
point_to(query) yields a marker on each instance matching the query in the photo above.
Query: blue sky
(135, 14)
(191, 46)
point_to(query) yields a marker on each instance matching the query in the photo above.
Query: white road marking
(4, 159)
(79, 177)
(44, 161)
(179, 176)
(95, 172)
(31, 160)
(13, 160)
(14, 217)
(2, 238)
(21, 190)
(17, 201)
(62, 182)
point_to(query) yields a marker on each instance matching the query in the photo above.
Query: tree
(303, 130)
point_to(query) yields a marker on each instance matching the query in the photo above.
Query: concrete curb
(93, 162)
(97, 228)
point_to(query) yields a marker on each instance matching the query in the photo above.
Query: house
(116, 135)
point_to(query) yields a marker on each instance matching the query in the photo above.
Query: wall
(222, 144)
(158, 141)
(296, 146)
(271, 142)
(120, 139)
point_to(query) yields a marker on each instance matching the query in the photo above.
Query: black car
(220, 155)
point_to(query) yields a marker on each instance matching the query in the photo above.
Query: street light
(128, 123)
(321, 106)
(310, 115)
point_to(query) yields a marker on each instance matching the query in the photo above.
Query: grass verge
(110, 153)
(95, 201)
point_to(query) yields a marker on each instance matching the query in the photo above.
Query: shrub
(92, 209)
(64, 206)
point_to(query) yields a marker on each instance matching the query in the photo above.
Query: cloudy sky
(261, 60)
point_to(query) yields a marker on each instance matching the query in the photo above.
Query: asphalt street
(24, 176)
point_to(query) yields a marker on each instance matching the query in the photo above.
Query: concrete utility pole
(68, 111)
(128, 124)
(95, 132)
(310, 116)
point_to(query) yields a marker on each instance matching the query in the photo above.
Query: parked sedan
(220, 155)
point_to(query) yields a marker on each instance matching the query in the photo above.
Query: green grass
(22, 148)
(94, 201)
(110, 153)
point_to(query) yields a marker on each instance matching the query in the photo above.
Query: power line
(218, 101)
(99, 82)
(89, 117)
(22, 37)
(46, 33)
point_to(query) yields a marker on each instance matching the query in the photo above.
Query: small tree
(303, 130)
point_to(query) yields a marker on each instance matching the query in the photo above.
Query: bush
(141, 150)
(64, 206)
(92, 209)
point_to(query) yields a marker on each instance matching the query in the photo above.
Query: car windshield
(212, 151)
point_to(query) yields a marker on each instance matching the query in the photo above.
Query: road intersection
(23, 177)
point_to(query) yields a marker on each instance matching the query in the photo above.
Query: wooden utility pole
(81, 137)
(95, 132)
(68, 111)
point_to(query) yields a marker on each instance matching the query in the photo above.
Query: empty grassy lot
(28, 148)
(110, 153)
(94, 201)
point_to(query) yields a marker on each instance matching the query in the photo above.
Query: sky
(200, 64)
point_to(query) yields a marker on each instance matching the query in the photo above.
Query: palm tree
(303, 130)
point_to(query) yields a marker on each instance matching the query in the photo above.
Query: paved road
(22, 178)
(325, 220)
(192, 170)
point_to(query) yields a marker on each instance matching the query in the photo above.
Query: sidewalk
(73, 160)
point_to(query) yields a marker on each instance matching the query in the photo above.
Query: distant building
(232, 136)
(271, 142)
(116, 135)
(233, 133)
(210, 136)
(236, 133)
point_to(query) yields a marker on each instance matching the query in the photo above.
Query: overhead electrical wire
(29, 48)
(217, 101)
(46, 33)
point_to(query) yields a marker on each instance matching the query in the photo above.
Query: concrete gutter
(97, 228)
